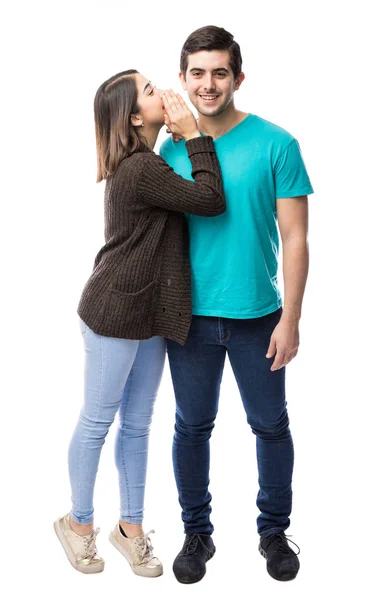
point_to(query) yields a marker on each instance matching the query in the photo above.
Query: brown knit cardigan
(140, 285)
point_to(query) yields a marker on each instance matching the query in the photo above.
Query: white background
(314, 68)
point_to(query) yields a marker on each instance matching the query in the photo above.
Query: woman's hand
(175, 136)
(178, 117)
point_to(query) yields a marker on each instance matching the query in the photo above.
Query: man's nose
(209, 83)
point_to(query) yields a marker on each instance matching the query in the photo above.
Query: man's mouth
(208, 98)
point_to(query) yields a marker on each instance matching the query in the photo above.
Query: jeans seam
(81, 454)
(177, 459)
(124, 465)
(219, 328)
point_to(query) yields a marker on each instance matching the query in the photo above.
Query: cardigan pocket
(132, 314)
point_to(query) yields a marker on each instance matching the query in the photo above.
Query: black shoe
(282, 561)
(190, 564)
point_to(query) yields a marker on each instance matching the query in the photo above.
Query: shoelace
(281, 546)
(192, 543)
(89, 546)
(144, 547)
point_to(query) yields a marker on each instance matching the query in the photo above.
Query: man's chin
(209, 112)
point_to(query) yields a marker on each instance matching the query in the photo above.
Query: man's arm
(293, 225)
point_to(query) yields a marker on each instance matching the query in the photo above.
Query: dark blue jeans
(196, 370)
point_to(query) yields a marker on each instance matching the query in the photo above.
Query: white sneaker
(80, 549)
(138, 552)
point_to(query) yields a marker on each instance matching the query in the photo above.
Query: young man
(237, 307)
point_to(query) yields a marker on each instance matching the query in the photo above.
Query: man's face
(210, 82)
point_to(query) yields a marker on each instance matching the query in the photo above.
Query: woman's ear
(136, 121)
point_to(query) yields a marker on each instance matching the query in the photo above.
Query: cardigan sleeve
(159, 185)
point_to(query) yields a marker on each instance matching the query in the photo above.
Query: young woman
(137, 295)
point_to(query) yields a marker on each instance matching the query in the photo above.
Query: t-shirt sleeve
(290, 175)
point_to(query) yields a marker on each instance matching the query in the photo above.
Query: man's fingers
(278, 361)
(292, 355)
(271, 349)
(282, 358)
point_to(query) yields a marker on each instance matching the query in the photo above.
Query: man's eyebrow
(214, 70)
(146, 86)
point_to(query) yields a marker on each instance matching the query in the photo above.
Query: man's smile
(208, 98)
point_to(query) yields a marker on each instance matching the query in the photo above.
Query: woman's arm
(159, 185)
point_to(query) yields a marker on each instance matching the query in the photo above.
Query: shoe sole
(187, 580)
(92, 569)
(141, 571)
(285, 576)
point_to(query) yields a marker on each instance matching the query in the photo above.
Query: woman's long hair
(116, 138)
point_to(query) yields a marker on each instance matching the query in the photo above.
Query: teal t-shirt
(234, 256)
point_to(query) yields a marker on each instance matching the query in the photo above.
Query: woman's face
(149, 101)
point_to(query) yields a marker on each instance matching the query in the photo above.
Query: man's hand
(284, 342)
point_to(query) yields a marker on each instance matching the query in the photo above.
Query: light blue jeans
(119, 375)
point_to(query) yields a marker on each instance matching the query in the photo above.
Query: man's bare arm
(293, 225)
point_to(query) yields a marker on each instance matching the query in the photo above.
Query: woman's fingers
(166, 102)
(173, 104)
(181, 101)
(178, 117)
(172, 101)
(170, 115)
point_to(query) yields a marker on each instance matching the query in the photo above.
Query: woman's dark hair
(115, 101)
(212, 38)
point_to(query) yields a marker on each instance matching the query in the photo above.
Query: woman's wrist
(191, 136)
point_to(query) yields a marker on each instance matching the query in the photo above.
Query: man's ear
(183, 81)
(239, 81)
(136, 120)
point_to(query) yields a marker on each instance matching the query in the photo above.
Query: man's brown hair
(212, 38)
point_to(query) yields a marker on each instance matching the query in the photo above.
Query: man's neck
(221, 124)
